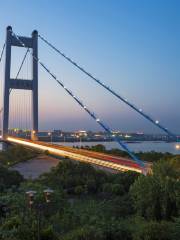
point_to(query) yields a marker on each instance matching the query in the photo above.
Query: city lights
(76, 156)
(177, 146)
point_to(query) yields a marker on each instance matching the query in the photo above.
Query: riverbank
(33, 168)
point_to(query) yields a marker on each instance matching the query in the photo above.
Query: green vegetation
(147, 156)
(90, 204)
(15, 154)
(9, 178)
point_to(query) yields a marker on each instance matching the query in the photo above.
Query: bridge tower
(32, 84)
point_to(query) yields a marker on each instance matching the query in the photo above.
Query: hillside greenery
(89, 203)
(15, 154)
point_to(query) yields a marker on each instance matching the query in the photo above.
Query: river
(135, 146)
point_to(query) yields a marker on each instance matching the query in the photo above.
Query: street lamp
(79, 137)
(177, 146)
(80, 142)
(50, 134)
(30, 195)
(40, 206)
(34, 135)
(48, 192)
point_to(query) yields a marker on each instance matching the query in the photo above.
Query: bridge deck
(101, 159)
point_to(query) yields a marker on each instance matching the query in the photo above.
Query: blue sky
(132, 46)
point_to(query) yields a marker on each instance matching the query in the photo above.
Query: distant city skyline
(132, 46)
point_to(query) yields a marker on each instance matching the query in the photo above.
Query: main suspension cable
(139, 110)
(105, 127)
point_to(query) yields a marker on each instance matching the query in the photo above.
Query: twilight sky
(132, 46)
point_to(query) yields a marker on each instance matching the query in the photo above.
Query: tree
(9, 178)
(157, 196)
(98, 148)
(153, 230)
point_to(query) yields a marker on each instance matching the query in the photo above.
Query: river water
(136, 146)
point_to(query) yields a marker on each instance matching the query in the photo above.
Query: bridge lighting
(140, 110)
(85, 107)
(97, 120)
(177, 147)
(75, 156)
(50, 135)
(157, 122)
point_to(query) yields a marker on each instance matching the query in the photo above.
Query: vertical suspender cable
(17, 72)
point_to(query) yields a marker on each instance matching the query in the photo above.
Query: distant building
(81, 133)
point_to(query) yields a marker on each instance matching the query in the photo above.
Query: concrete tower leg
(6, 83)
(34, 132)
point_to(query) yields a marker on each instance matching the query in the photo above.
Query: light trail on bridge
(81, 104)
(99, 159)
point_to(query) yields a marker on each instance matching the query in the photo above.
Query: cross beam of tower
(26, 84)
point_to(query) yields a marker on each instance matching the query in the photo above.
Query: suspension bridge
(30, 86)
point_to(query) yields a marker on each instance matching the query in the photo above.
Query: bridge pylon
(26, 84)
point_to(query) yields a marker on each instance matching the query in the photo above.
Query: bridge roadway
(96, 158)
